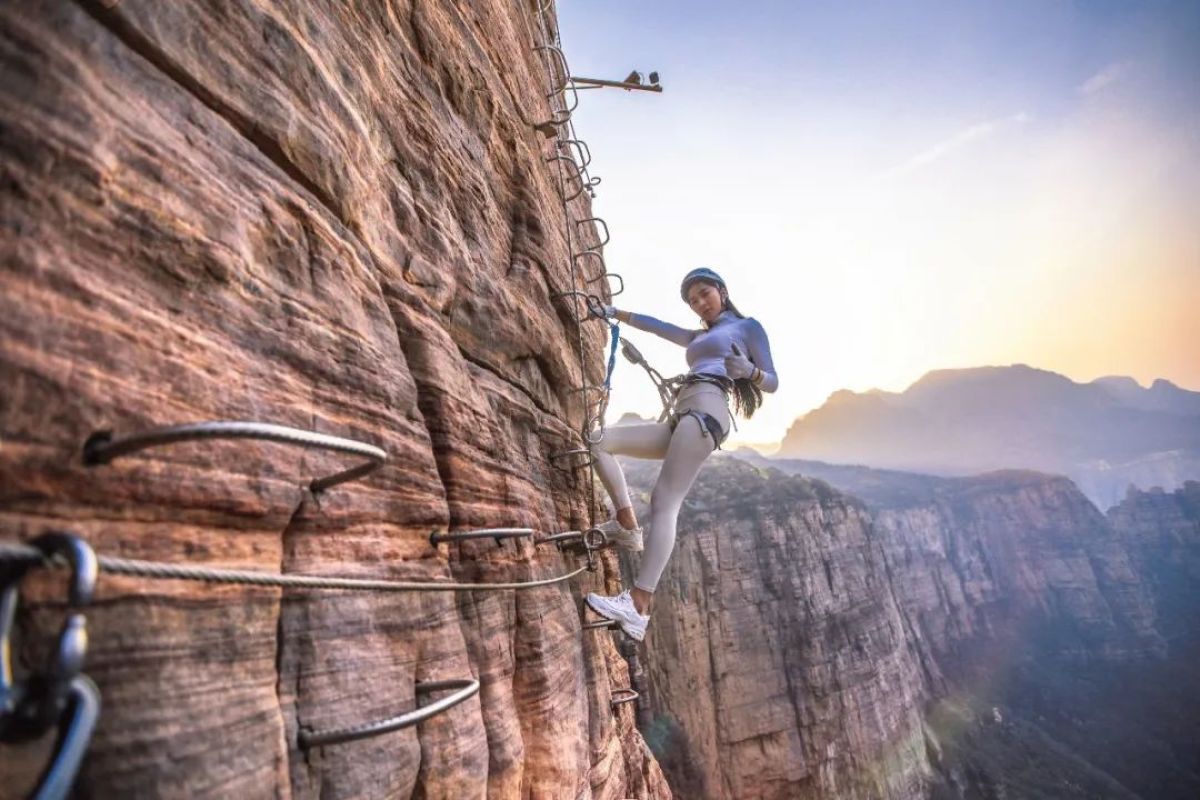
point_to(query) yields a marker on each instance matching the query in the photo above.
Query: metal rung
(102, 447)
(620, 696)
(585, 152)
(587, 388)
(577, 451)
(592, 302)
(591, 539)
(585, 184)
(591, 254)
(466, 686)
(616, 275)
(602, 624)
(561, 88)
(603, 224)
(482, 533)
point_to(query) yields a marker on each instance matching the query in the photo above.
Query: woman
(729, 356)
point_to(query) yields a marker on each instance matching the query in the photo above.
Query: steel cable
(158, 570)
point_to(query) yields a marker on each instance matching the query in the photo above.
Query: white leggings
(682, 453)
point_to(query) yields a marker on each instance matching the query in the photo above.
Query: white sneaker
(621, 609)
(622, 538)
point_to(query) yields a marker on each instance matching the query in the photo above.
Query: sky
(892, 188)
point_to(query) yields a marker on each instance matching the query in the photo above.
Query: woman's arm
(760, 354)
(644, 322)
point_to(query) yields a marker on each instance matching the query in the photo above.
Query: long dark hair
(746, 396)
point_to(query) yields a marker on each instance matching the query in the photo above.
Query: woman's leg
(645, 440)
(690, 445)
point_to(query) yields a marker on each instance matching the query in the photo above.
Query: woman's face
(705, 300)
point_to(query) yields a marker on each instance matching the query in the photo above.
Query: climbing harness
(707, 422)
(60, 696)
(668, 392)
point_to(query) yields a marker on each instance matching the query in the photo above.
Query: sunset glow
(893, 191)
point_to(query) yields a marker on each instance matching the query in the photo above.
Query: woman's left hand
(737, 365)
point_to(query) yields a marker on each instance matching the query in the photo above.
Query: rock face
(777, 655)
(337, 217)
(1014, 560)
(963, 638)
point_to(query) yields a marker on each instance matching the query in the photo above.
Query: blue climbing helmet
(699, 274)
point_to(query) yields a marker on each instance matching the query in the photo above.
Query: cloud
(1105, 77)
(948, 145)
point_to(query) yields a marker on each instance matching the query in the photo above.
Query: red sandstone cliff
(337, 217)
(973, 637)
(777, 655)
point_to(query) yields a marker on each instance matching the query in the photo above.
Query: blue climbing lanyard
(612, 353)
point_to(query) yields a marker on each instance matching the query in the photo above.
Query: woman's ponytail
(746, 396)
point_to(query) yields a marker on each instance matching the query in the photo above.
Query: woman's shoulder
(752, 324)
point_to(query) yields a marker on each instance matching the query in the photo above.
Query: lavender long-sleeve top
(706, 349)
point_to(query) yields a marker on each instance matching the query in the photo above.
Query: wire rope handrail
(159, 570)
(620, 696)
(467, 687)
(103, 447)
(570, 231)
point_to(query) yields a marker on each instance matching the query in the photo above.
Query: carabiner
(60, 696)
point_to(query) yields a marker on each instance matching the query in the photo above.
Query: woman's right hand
(603, 311)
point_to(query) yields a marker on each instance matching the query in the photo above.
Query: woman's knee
(666, 499)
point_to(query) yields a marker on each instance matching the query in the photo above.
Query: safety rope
(568, 219)
(159, 570)
(615, 330)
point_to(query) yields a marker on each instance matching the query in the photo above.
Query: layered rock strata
(777, 658)
(938, 644)
(338, 217)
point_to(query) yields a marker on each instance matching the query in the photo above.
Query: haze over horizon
(897, 190)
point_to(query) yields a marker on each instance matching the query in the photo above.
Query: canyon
(991, 636)
(361, 220)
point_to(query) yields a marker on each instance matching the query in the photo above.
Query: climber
(730, 355)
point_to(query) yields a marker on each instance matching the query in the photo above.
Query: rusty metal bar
(482, 533)
(103, 447)
(596, 83)
(467, 687)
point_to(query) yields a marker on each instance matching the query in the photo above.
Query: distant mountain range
(1105, 435)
